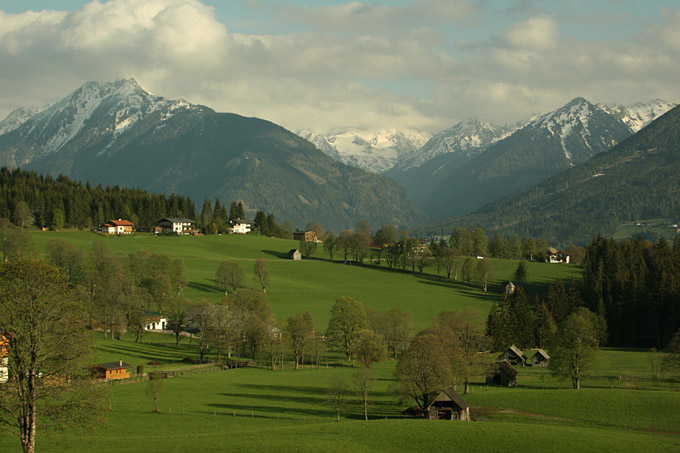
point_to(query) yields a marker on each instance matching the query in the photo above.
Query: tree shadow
(280, 255)
(204, 287)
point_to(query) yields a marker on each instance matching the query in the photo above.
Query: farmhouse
(502, 373)
(240, 226)
(177, 225)
(448, 405)
(4, 362)
(513, 355)
(155, 321)
(540, 359)
(119, 226)
(295, 255)
(111, 370)
(555, 256)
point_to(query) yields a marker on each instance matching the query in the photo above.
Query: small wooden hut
(295, 255)
(448, 405)
(503, 374)
(111, 370)
(540, 359)
(508, 288)
(514, 355)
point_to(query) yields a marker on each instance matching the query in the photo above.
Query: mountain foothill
(564, 175)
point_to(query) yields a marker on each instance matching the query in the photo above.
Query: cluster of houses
(504, 373)
(170, 225)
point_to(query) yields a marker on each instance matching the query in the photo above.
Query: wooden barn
(540, 359)
(513, 355)
(448, 405)
(111, 370)
(503, 374)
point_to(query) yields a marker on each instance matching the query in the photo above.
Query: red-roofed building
(119, 226)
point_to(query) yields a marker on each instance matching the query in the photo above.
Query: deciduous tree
(261, 273)
(575, 347)
(348, 317)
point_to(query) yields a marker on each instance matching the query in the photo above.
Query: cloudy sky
(330, 65)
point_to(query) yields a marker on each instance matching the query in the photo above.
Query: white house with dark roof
(177, 225)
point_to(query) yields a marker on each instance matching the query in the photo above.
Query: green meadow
(620, 407)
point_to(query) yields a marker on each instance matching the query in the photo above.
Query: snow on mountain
(468, 137)
(372, 150)
(640, 114)
(18, 117)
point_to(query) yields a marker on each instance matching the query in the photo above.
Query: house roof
(119, 222)
(507, 368)
(292, 251)
(542, 353)
(453, 396)
(552, 250)
(176, 220)
(518, 352)
(113, 365)
(241, 221)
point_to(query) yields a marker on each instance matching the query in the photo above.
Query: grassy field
(315, 284)
(619, 408)
(655, 228)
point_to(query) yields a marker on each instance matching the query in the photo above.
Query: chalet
(448, 405)
(555, 256)
(508, 288)
(177, 225)
(540, 359)
(119, 226)
(4, 361)
(111, 370)
(513, 355)
(503, 374)
(307, 236)
(240, 226)
(295, 255)
(155, 321)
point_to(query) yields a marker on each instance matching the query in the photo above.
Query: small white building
(555, 256)
(240, 226)
(156, 322)
(119, 226)
(177, 225)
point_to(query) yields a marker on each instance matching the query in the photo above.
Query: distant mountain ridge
(118, 134)
(372, 150)
(638, 178)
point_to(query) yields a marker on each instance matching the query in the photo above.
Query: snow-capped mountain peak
(373, 150)
(640, 114)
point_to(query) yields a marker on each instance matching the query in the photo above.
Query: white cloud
(351, 65)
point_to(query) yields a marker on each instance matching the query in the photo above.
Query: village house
(111, 370)
(240, 226)
(540, 359)
(4, 362)
(555, 256)
(295, 255)
(177, 225)
(155, 321)
(513, 355)
(448, 405)
(119, 226)
(502, 373)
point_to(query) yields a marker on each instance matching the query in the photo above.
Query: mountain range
(639, 178)
(118, 134)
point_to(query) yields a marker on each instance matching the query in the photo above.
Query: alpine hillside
(423, 169)
(546, 146)
(119, 134)
(637, 179)
(375, 150)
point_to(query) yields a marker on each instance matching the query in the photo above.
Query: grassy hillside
(315, 284)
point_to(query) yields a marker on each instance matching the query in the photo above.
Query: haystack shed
(540, 359)
(514, 355)
(295, 255)
(502, 373)
(448, 405)
(111, 370)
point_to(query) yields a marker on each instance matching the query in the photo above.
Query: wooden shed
(514, 355)
(503, 374)
(540, 359)
(295, 255)
(448, 405)
(111, 370)
(508, 288)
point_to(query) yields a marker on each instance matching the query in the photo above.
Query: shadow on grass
(280, 255)
(203, 287)
(158, 353)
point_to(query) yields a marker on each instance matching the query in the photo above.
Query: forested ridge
(60, 202)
